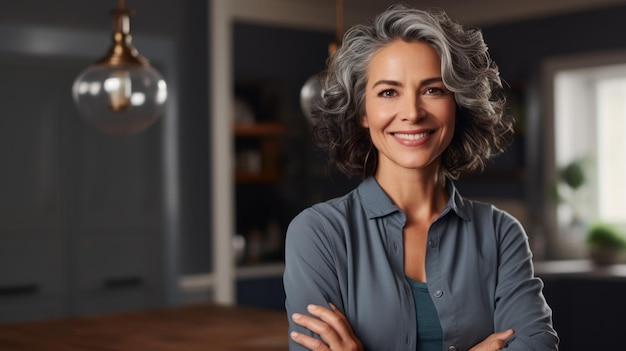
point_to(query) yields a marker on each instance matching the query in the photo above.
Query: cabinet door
(116, 269)
(33, 265)
(33, 278)
(116, 231)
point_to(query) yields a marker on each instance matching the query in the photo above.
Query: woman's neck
(418, 193)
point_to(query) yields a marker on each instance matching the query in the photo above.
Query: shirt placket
(393, 226)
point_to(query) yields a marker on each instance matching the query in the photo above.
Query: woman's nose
(413, 109)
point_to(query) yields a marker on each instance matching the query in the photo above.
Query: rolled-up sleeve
(310, 275)
(520, 303)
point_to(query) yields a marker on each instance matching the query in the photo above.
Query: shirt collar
(377, 204)
(456, 203)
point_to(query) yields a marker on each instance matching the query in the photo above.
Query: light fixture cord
(120, 4)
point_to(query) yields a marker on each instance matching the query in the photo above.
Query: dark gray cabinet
(81, 213)
(588, 311)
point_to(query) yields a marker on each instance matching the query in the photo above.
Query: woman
(404, 262)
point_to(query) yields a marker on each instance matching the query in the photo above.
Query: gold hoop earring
(367, 156)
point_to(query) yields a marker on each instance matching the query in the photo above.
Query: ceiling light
(120, 94)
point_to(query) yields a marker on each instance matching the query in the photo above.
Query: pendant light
(312, 91)
(120, 94)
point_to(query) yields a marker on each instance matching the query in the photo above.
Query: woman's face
(408, 110)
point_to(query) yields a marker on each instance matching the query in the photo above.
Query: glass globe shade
(311, 94)
(120, 99)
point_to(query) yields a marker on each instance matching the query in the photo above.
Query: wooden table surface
(185, 328)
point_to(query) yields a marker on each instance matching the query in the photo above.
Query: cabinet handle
(123, 283)
(15, 290)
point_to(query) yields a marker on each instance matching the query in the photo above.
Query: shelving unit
(257, 150)
(258, 155)
(223, 72)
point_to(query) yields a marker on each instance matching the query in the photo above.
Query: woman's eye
(435, 91)
(387, 93)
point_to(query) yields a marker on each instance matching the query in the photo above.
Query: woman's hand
(332, 326)
(493, 342)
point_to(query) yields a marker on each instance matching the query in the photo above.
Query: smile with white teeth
(406, 136)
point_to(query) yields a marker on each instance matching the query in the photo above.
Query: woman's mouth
(411, 136)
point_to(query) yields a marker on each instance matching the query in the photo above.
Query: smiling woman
(404, 261)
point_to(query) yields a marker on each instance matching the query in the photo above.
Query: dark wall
(519, 48)
(193, 62)
(154, 17)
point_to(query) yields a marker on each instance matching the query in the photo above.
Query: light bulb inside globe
(121, 99)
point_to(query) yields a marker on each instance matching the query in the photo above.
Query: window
(588, 110)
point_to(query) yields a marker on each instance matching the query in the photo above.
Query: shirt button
(395, 247)
(407, 340)
(432, 243)
(452, 348)
(438, 293)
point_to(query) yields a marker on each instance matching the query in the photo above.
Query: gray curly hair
(482, 129)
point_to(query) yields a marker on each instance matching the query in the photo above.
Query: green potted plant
(606, 241)
(569, 180)
(569, 192)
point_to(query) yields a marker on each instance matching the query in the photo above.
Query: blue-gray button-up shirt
(349, 251)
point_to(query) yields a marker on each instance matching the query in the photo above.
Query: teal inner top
(429, 332)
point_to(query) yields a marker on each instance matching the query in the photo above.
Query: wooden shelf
(258, 130)
(261, 177)
(261, 164)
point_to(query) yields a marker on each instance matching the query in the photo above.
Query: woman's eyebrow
(387, 82)
(432, 80)
(398, 84)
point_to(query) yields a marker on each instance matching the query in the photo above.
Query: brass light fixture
(120, 94)
(312, 91)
